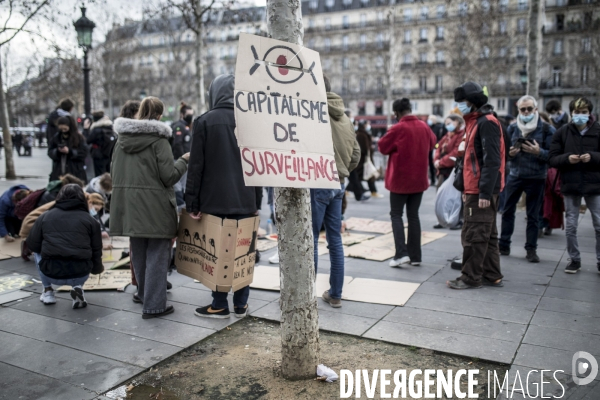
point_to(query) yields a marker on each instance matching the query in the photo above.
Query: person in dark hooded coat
(215, 183)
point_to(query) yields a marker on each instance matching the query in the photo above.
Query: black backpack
(109, 138)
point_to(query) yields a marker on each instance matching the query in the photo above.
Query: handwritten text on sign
(281, 116)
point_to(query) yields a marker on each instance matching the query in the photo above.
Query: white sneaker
(415, 263)
(396, 262)
(48, 297)
(78, 298)
(274, 259)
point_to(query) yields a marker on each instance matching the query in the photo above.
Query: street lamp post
(84, 27)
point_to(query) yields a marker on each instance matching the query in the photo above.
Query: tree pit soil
(244, 362)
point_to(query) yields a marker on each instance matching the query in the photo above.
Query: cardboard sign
(108, 280)
(12, 249)
(368, 225)
(220, 253)
(281, 116)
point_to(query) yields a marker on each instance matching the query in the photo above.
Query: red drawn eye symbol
(282, 60)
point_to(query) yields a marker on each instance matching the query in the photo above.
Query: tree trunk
(4, 120)
(200, 103)
(298, 303)
(392, 64)
(533, 48)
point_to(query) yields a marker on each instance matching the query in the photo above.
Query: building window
(463, 8)
(423, 35)
(345, 63)
(311, 44)
(406, 84)
(345, 43)
(485, 52)
(521, 51)
(362, 61)
(327, 44)
(161, 58)
(560, 22)
(501, 104)
(558, 46)
(347, 3)
(361, 108)
(327, 23)
(584, 74)
(364, 3)
(311, 24)
(485, 6)
(423, 83)
(329, 4)
(363, 20)
(439, 86)
(502, 27)
(407, 59)
(441, 11)
(380, 16)
(439, 33)
(423, 58)
(345, 85)
(521, 25)
(586, 45)
(503, 5)
(345, 22)
(556, 76)
(424, 13)
(439, 56)
(313, 4)
(408, 15)
(379, 110)
(379, 61)
(363, 41)
(379, 40)
(362, 85)
(485, 29)
(172, 56)
(503, 52)
(522, 5)
(462, 30)
(223, 53)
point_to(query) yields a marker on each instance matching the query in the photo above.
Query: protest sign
(282, 120)
(108, 280)
(220, 253)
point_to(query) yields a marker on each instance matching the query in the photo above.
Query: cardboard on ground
(368, 225)
(220, 253)
(12, 249)
(348, 238)
(383, 247)
(121, 263)
(108, 280)
(267, 278)
(110, 256)
(264, 245)
(279, 134)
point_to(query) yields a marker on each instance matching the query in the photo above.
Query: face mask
(355, 128)
(429, 122)
(580, 119)
(463, 107)
(450, 128)
(557, 117)
(352, 120)
(526, 118)
(368, 128)
(188, 119)
(93, 212)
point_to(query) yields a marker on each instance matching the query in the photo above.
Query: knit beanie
(471, 92)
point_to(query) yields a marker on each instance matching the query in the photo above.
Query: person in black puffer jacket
(101, 139)
(67, 245)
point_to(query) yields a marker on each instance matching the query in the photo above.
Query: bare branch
(29, 17)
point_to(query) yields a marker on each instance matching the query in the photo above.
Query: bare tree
(299, 315)
(534, 44)
(392, 64)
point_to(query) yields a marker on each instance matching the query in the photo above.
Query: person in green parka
(143, 205)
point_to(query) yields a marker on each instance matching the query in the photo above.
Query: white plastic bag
(448, 203)
(369, 170)
(326, 374)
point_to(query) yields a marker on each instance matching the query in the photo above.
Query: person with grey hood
(326, 204)
(143, 203)
(215, 182)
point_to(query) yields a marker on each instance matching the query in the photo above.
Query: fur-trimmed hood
(105, 121)
(136, 135)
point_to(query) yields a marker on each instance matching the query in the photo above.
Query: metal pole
(86, 85)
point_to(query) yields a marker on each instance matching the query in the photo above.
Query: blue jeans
(48, 282)
(572, 204)
(326, 207)
(534, 191)
(240, 299)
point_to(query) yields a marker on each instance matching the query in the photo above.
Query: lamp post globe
(84, 27)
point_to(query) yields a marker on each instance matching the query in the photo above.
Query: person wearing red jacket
(408, 143)
(483, 176)
(447, 148)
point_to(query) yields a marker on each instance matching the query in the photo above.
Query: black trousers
(13, 225)
(101, 165)
(410, 247)
(355, 186)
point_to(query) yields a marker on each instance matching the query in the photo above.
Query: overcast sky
(27, 51)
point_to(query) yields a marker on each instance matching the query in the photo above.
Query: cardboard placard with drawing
(220, 253)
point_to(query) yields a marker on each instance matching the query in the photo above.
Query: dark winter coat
(7, 208)
(365, 141)
(143, 173)
(408, 143)
(579, 179)
(215, 182)
(98, 139)
(562, 121)
(74, 160)
(526, 165)
(52, 128)
(69, 241)
(438, 130)
(182, 139)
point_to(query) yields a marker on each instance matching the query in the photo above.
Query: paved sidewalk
(538, 320)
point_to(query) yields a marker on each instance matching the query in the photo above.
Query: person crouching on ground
(67, 245)
(143, 203)
(10, 225)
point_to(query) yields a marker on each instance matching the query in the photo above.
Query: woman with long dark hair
(68, 150)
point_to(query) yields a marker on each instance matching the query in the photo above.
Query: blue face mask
(463, 107)
(450, 128)
(526, 118)
(580, 119)
(93, 212)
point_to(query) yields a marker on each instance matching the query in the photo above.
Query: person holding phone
(68, 150)
(528, 155)
(575, 152)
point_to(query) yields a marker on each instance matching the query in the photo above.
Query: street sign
(282, 121)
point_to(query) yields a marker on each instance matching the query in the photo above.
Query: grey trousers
(572, 204)
(151, 259)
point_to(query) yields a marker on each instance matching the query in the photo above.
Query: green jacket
(345, 146)
(143, 173)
